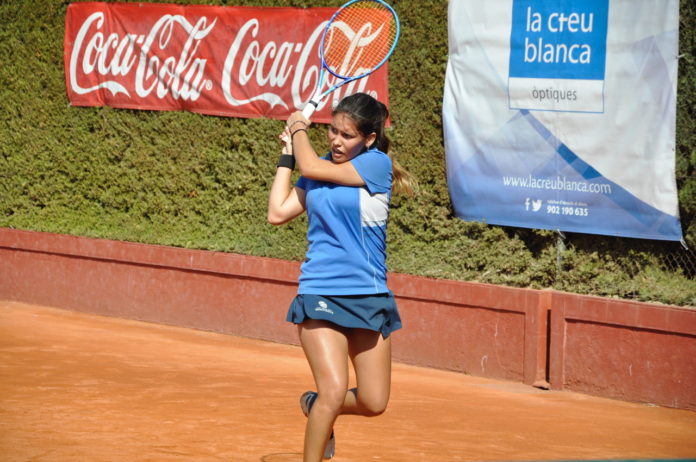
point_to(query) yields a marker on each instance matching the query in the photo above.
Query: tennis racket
(358, 39)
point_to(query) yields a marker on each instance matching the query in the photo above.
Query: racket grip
(309, 109)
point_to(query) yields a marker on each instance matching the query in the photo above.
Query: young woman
(344, 310)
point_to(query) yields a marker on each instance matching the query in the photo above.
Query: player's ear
(370, 139)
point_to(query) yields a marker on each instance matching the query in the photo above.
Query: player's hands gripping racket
(358, 39)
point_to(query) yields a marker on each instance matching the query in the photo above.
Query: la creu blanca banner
(560, 114)
(227, 61)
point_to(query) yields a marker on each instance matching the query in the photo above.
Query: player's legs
(326, 348)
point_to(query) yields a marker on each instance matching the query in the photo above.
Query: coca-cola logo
(111, 56)
(202, 63)
(252, 63)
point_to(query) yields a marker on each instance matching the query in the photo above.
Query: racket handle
(309, 109)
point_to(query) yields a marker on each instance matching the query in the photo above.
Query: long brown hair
(370, 116)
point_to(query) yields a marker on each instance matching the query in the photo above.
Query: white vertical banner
(560, 114)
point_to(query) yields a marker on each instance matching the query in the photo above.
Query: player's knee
(374, 406)
(373, 411)
(333, 398)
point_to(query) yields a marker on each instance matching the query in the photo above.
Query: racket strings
(359, 38)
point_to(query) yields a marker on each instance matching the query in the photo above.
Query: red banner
(227, 61)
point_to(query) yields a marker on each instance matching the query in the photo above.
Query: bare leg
(326, 348)
(371, 357)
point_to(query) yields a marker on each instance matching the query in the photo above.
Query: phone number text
(564, 210)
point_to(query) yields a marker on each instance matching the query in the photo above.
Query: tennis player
(343, 308)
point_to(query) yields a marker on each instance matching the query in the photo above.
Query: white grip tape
(309, 109)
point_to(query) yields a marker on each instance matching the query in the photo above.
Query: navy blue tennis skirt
(374, 312)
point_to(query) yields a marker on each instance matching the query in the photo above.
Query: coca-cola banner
(227, 61)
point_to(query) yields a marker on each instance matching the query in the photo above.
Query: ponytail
(402, 180)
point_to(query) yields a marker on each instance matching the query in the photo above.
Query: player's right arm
(284, 202)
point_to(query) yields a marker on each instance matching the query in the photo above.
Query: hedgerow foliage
(195, 181)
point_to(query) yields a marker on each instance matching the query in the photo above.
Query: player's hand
(297, 120)
(287, 142)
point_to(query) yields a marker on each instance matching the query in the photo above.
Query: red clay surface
(77, 387)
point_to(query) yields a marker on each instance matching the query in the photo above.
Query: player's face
(345, 140)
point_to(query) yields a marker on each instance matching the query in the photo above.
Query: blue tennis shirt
(347, 231)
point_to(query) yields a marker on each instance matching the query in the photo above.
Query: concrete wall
(626, 350)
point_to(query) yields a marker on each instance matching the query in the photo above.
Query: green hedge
(183, 179)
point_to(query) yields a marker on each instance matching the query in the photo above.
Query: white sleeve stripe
(374, 208)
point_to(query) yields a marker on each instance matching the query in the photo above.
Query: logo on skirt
(323, 307)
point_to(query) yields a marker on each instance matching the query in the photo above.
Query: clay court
(79, 387)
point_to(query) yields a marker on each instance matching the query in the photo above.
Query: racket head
(359, 38)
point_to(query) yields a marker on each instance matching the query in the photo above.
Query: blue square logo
(559, 39)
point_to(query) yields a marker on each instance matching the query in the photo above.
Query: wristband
(287, 161)
(297, 122)
(298, 130)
